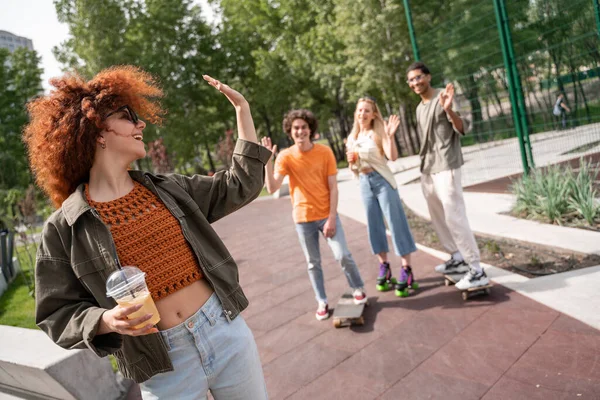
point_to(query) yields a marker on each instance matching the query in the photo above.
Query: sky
(36, 20)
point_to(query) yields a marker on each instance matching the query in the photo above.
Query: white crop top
(369, 156)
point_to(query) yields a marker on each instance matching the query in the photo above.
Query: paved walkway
(428, 346)
(531, 339)
(431, 345)
(575, 292)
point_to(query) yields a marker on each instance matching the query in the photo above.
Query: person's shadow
(423, 299)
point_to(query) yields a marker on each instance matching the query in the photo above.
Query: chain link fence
(527, 73)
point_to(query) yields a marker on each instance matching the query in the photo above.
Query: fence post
(411, 31)
(597, 12)
(517, 99)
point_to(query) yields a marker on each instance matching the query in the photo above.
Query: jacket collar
(76, 204)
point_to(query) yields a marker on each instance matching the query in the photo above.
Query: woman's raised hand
(392, 125)
(232, 95)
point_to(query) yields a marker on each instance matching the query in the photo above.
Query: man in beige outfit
(440, 128)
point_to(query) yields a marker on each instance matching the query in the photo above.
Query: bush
(583, 195)
(558, 195)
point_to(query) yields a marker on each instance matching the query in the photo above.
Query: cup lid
(123, 279)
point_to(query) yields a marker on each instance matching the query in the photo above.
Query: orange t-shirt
(308, 173)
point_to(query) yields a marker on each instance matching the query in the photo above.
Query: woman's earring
(103, 145)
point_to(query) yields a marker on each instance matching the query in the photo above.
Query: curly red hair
(64, 125)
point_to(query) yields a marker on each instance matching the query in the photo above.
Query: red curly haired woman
(82, 137)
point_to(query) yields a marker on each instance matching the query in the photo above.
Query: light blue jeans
(209, 352)
(308, 233)
(381, 199)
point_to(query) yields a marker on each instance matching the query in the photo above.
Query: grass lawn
(17, 306)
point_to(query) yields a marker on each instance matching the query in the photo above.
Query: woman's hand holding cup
(352, 156)
(115, 320)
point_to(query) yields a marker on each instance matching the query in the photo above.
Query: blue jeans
(381, 199)
(209, 352)
(308, 233)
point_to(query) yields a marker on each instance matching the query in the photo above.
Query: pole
(518, 88)
(512, 84)
(411, 31)
(597, 13)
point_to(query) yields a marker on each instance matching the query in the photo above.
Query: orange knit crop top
(149, 237)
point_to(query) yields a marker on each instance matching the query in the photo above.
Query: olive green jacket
(77, 254)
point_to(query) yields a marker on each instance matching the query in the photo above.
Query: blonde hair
(377, 125)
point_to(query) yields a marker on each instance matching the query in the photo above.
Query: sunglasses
(129, 113)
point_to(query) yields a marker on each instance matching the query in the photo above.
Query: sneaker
(360, 297)
(473, 279)
(322, 311)
(452, 266)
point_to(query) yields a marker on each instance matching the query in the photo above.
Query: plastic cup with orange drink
(128, 287)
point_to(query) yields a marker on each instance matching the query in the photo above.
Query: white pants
(444, 196)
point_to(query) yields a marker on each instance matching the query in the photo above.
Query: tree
(168, 38)
(20, 80)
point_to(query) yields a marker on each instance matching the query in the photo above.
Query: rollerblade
(385, 281)
(407, 281)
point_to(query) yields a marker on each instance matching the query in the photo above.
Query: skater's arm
(273, 180)
(329, 228)
(446, 101)
(389, 144)
(456, 121)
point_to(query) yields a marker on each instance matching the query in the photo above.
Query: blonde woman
(370, 145)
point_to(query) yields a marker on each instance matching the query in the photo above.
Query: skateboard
(451, 279)
(347, 313)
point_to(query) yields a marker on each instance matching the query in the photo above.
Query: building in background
(13, 42)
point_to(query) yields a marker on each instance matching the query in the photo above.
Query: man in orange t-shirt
(312, 171)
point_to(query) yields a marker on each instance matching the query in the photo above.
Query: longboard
(347, 313)
(452, 279)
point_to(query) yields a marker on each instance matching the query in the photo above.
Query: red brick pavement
(428, 346)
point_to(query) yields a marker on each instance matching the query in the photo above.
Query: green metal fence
(509, 61)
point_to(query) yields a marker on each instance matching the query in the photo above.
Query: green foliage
(544, 194)
(323, 55)
(491, 246)
(9, 211)
(168, 38)
(583, 198)
(19, 82)
(557, 194)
